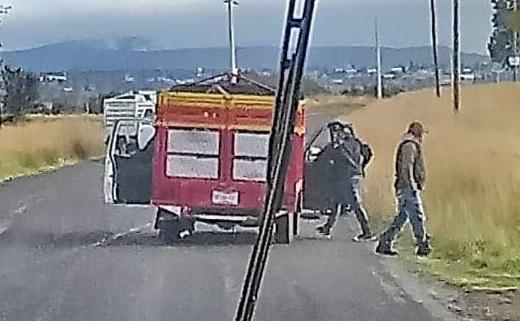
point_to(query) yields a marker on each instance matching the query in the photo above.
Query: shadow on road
(100, 238)
(198, 239)
(38, 239)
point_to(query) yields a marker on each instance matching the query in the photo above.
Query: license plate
(222, 198)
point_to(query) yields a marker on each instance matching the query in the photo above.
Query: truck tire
(283, 233)
(296, 224)
(173, 228)
(169, 231)
(297, 215)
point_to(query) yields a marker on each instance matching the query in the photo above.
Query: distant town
(76, 91)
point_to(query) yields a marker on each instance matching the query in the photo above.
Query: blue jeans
(409, 207)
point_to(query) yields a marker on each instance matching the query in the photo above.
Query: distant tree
(21, 91)
(501, 42)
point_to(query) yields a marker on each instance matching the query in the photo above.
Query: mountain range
(132, 54)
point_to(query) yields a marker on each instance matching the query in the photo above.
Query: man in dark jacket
(410, 176)
(348, 162)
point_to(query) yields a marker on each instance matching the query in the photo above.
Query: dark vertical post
(287, 101)
(284, 65)
(456, 55)
(435, 47)
(515, 43)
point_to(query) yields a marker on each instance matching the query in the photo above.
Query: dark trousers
(355, 204)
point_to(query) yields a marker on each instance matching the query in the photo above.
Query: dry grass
(43, 142)
(472, 196)
(336, 104)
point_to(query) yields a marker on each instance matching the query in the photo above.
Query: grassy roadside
(473, 184)
(42, 143)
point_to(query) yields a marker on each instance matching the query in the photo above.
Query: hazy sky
(196, 23)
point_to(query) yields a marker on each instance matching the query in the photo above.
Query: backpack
(367, 153)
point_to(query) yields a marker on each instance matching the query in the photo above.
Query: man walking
(351, 158)
(410, 176)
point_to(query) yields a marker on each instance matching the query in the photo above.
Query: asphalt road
(66, 256)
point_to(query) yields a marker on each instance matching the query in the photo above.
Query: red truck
(205, 159)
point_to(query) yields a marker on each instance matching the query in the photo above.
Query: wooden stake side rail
(214, 111)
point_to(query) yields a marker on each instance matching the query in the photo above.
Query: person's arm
(352, 155)
(420, 171)
(323, 152)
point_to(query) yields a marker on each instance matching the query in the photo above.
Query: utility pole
(232, 46)
(456, 55)
(379, 64)
(435, 47)
(4, 9)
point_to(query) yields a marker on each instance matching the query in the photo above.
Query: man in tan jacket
(410, 177)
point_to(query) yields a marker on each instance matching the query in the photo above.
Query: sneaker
(184, 234)
(365, 238)
(327, 212)
(423, 251)
(324, 230)
(386, 250)
(346, 210)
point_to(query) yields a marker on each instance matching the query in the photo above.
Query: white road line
(135, 230)
(20, 210)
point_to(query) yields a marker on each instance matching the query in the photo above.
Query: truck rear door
(128, 165)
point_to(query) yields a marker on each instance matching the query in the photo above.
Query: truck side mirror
(145, 134)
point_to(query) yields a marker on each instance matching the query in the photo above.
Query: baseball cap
(418, 126)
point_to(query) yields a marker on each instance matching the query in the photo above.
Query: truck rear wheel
(297, 215)
(169, 231)
(284, 225)
(172, 228)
